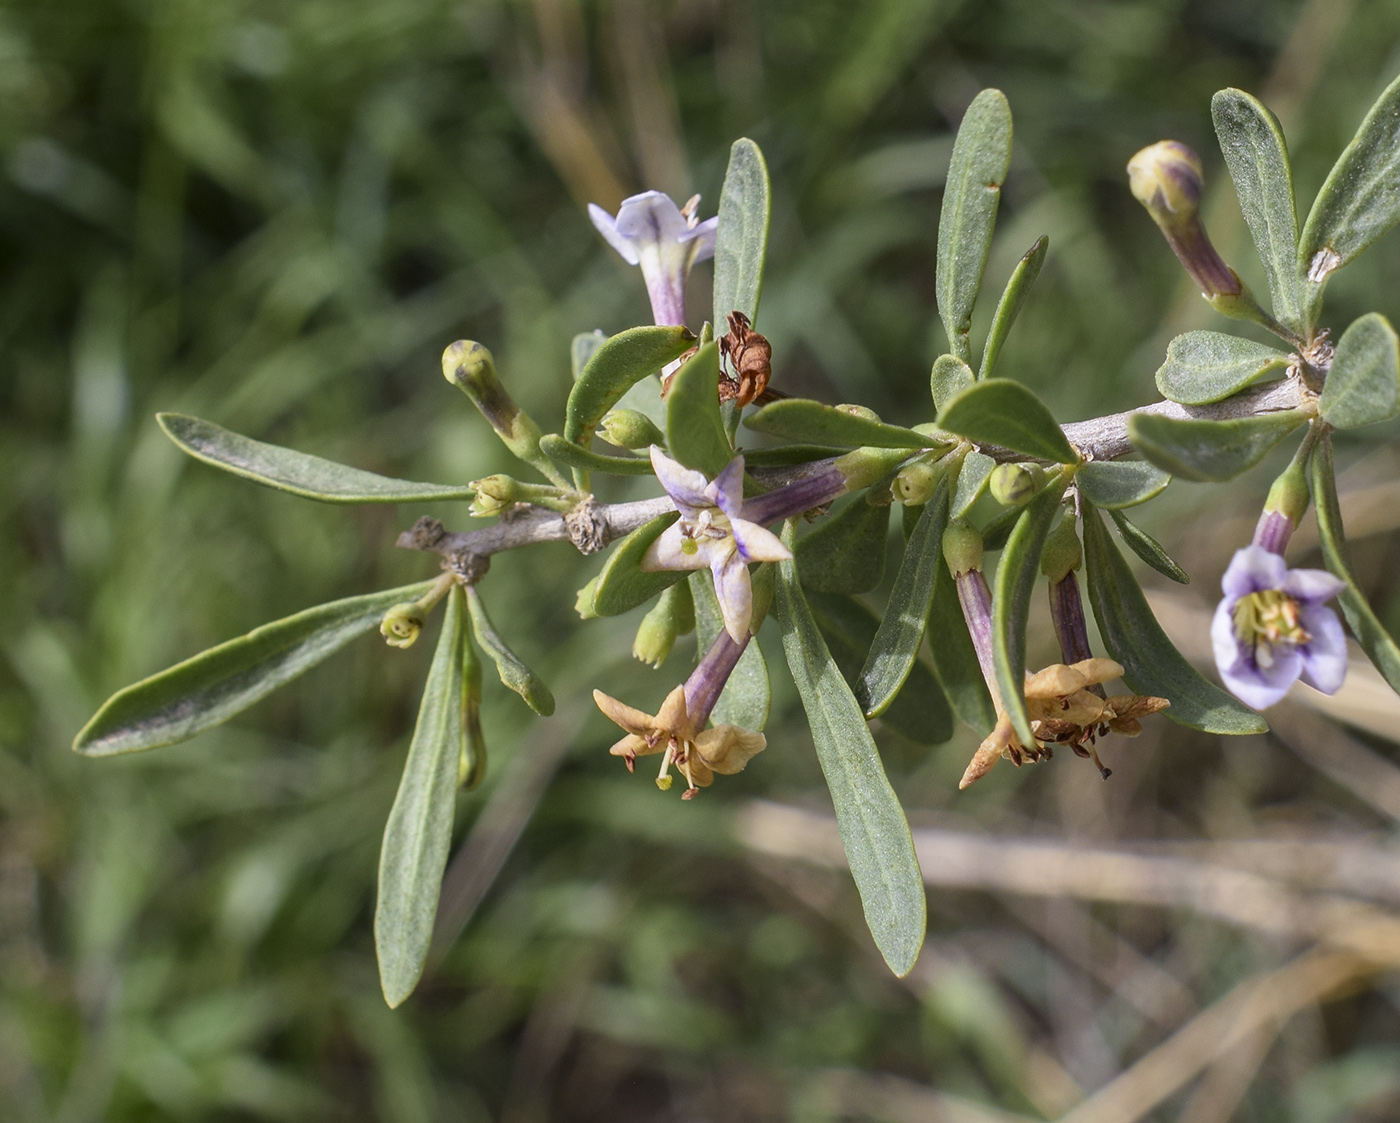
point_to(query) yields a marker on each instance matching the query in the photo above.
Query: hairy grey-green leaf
(622, 585)
(998, 411)
(615, 365)
(1209, 366)
(896, 644)
(1120, 483)
(874, 831)
(297, 472)
(746, 696)
(213, 686)
(565, 452)
(694, 428)
(1009, 307)
(949, 378)
(515, 675)
(1363, 386)
(1370, 633)
(1148, 548)
(1213, 451)
(1151, 664)
(1359, 201)
(800, 419)
(419, 831)
(846, 552)
(981, 157)
(742, 238)
(1257, 156)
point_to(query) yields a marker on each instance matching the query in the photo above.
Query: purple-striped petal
(650, 218)
(702, 239)
(685, 486)
(735, 595)
(1325, 655)
(1252, 569)
(757, 544)
(1312, 586)
(607, 227)
(727, 490)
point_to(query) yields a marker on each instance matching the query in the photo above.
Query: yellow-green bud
(583, 603)
(493, 495)
(672, 616)
(630, 428)
(1062, 554)
(1014, 484)
(915, 484)
(867, 465)
(402, 624)
(863, 412)
(962, 547)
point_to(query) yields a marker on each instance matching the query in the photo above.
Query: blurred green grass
(276, 217)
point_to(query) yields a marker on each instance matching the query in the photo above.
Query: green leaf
(1358, 203)
(622, 586)
(1213, 451)
(746, 696)
(976, 470)
(874, 831)
(471, 762)
(1363, 386)
(419, 831)
(694, 427)
(1370, 633)
(584, 346)
(624, 359)
(949, 378)
(1001, 412)
(1257, 156)
(1208, 366)
(919, 712)
(1011, 602)
(1151, 664)
(955, 659)
(565, 452)
(800, 419)
(981, 156)
(784, 455)
(515, 675)
(1120, 483)
(742, 238)
(1012, 297)
(287, 470)
(1148, 549)
(211, 687)
(896, 644)
(846, 553)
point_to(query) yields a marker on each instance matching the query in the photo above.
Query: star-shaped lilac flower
(713, 532)
(1272, 628)
(665, 240)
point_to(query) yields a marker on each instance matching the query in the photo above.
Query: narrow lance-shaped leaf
(1120, 483)
(981, 157)
(1363, 386)
(694, 428)
(215, 685)
(471, 763)
(742, 238)
(515, 675)
(896, 644)
(297, 472)
(1359, 201)
(874, 831)
(1214, 451)
(570, 455)
(846, 553)
(1370, 633)
(955, 659)
(1001, 412)
(976, 470)
(622, 586)
(1257, 155)
(745, 699)
(419, 831)
(1148, 548)
(1208, 366)
(799, 419)
(1151, 664)
(1009, 307)
(1011, 602)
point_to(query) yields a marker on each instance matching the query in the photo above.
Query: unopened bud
(630, 428)
(1063, 553)
(673, 615)
(962, 547)
(1284, 509)
(867, 465)
(1014, 484)
(916, 483)
(493, 495)
(469, 366)
(402, 624)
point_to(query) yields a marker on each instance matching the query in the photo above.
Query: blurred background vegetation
(276, 216)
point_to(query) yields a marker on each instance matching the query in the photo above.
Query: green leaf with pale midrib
(745, 699)
(1001, 412)
(800, 419)
(1148, 548)
(285, 469)
(741, 241)
(874, 831)
(1151, 664)
(694, 428)
(418, 833)
(901, 632)
(622, 585)
(1210, 451)
(1208, 366)
(515, 675)
(1012, 297)
(981, 157)
(975, 471)
(846, 552)
(1363, 386)
(1257, 156)
(213, 686)
(1120, 483)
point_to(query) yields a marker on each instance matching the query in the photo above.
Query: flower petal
(728, 748)
(1312, 586)
(1325, 655)
(630, 719)
(727, 489)
(735, 595)
(702, 238)
(607, 227)
(685, 486)
(1261, 687)
(1251, 569)
(668, 552)
(755, 544)
(651, 218)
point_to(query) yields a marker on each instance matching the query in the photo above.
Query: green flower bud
(1014, 484)
(583, 603)
(402, 624)
(868, 465)
(493, 495)
(673, 615)
(962, 547)
(915, 484)
(1062, 554)
(1289, 495)
(630, 428)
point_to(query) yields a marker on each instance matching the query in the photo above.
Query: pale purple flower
(1273, 628)
(665, 240)
(713, 533)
